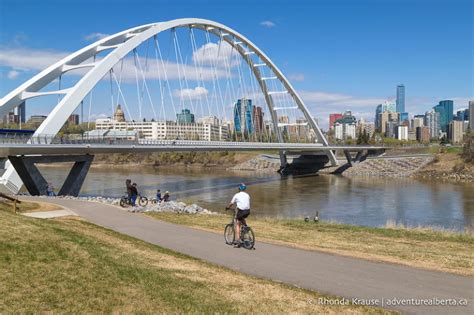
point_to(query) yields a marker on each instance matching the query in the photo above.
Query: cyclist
(242, 201)
(133, 194)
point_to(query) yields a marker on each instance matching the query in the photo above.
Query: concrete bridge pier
(37, 185)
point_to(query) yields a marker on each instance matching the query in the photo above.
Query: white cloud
(267, 24)
(13, 74)
(216, 54)
(296, 76)
(191, 94)
(23, 59)
(95, 36)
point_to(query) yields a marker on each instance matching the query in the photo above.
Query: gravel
(170, 206)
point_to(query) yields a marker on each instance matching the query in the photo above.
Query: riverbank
(425, 248)
(69, 265)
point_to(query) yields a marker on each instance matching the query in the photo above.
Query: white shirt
(242, 199)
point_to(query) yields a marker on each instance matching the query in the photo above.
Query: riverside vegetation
(69, 265)
(417, 247)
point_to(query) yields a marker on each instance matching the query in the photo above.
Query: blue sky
(338, 54)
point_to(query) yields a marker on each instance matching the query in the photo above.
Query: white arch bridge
(231, 64)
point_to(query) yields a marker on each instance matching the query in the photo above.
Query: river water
(369, 201)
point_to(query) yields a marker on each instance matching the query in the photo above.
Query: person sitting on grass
(166, 197)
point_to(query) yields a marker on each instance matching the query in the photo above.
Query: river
(368, 201)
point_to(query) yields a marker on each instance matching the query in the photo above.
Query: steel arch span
(118, 46)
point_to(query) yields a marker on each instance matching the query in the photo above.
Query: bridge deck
(7, 149)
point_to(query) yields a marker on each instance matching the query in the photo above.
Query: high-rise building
(471, 115)
(20, 110)
(381, 108)
(243, 110)
(119, 115)
(418, 121)
(386, 117)
(455, 131)
(257, 119)
(403, 116)
(333, 118)
(445, 110)
(432, 122)
(400, 98)
(462, 114)
(423, 134)
(343, 131)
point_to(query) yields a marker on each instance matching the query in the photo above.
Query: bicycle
(247, 237)
(125, 201)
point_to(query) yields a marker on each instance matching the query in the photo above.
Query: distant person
(133, 194)
(158, 195)
(242, 201)
(50, 190)
(128, 184)
(166, 196)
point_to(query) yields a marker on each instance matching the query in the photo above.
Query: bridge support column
(360, 156)
(37, 185)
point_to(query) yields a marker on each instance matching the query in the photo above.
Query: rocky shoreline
(170, 206)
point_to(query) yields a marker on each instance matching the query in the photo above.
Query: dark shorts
(242, 214)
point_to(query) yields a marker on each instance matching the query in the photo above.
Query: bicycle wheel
(248, 238)
(123, 202)
(143, 201)
(229, 234)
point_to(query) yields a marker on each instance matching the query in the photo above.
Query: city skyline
(328, 77)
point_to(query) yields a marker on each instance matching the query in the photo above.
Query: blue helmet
(242, 187)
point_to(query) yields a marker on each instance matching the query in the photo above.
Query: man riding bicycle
(242, 201)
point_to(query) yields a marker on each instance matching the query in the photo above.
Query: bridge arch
(120, 44)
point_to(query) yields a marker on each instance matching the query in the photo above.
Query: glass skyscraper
(445, 110)
(400, 98)
(185, 117)
(243, 111)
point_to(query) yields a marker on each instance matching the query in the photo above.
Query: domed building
(119, 115)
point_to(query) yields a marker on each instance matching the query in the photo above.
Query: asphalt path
(384, 283)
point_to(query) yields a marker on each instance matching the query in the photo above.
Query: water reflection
(362, 201)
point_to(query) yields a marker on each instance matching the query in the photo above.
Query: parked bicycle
(247, 237)
(141, 200)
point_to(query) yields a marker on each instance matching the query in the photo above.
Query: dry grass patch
(69, 265)
(423, 248)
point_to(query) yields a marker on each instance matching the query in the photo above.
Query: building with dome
(119, 115)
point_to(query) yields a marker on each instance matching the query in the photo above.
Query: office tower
(243, 110)
(445, 110)
(471, 115)
(401, 98)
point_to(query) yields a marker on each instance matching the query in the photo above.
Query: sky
(339, 55)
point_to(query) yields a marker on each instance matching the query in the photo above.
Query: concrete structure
(35, 182)
(423, 134)
(37, 119)
(400, 98)
(387, 117)
(382, 108)
(432, 122)
(73, 120)
(160, 130)
(401, 132)
(418, 121)
(455, 131)
(344, 131)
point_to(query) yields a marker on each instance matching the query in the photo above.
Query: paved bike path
(322, 272)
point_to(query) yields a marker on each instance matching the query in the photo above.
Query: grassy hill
(72, 266)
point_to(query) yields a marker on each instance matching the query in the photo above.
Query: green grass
(71, 266)
(423, 247)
